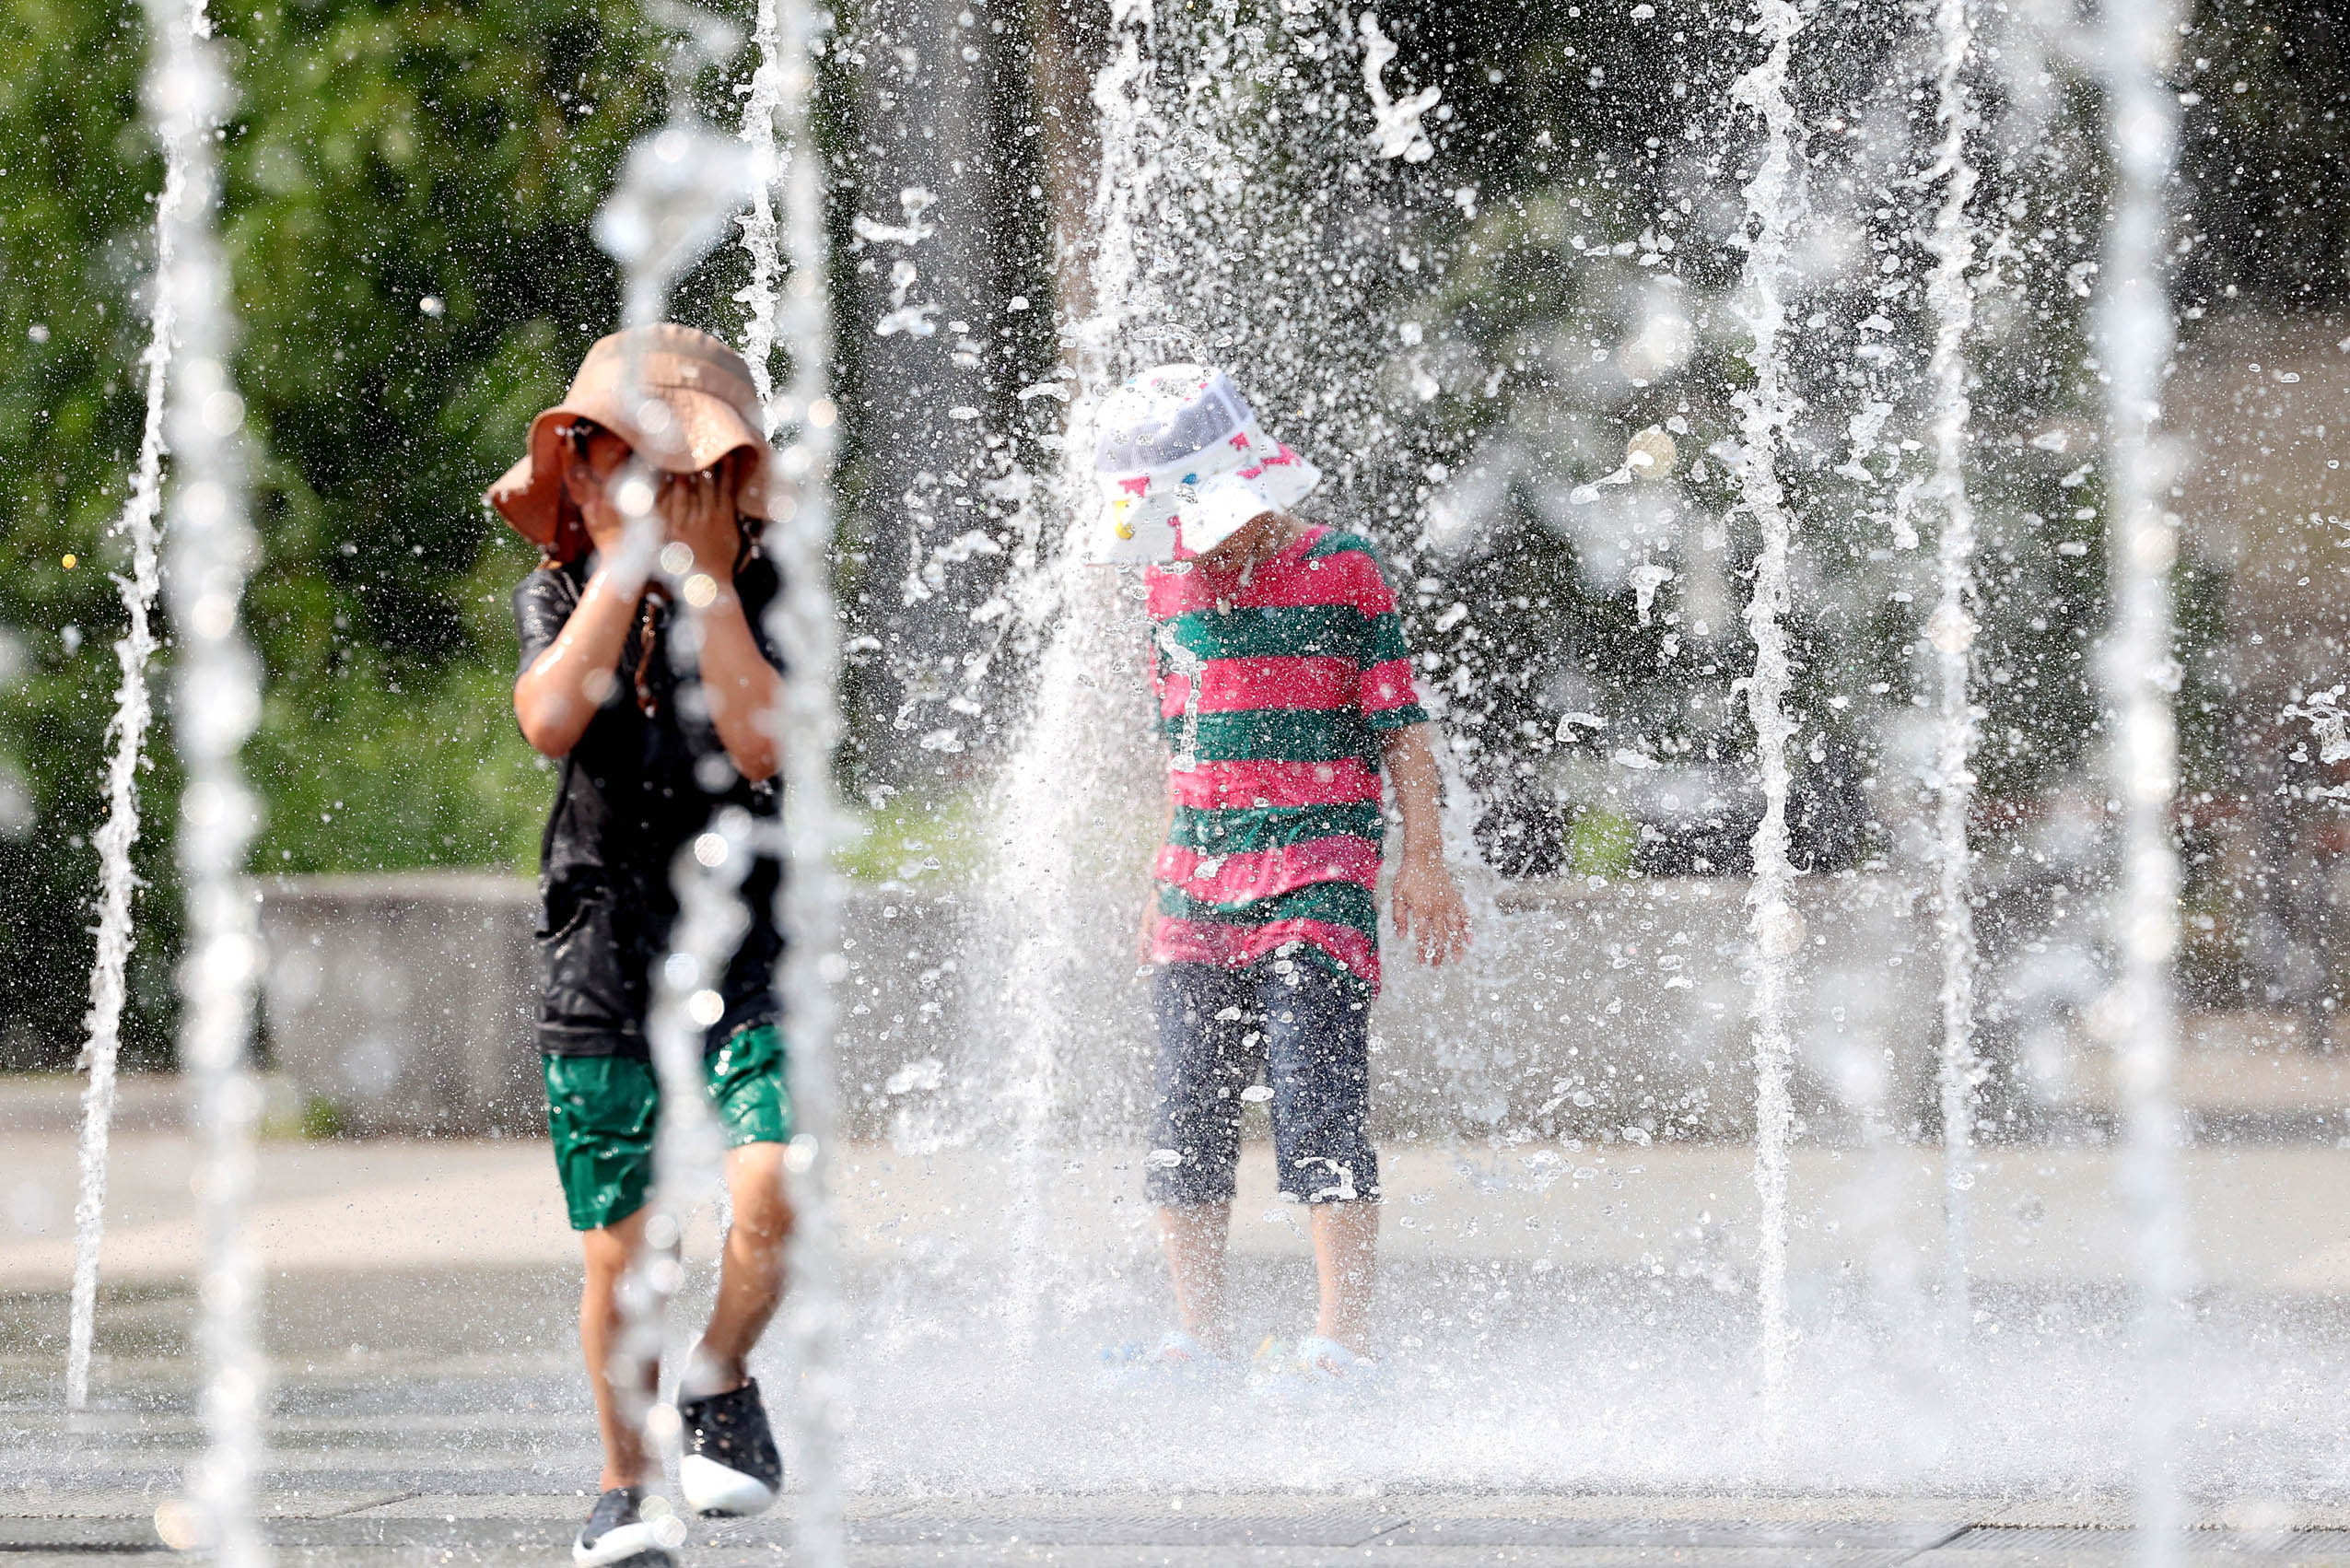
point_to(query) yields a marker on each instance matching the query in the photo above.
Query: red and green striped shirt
(1273, 696)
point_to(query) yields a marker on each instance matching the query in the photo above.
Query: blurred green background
(382, 156)
(389, 153)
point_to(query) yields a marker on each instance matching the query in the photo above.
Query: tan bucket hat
(700, 405)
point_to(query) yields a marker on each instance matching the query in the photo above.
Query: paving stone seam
(1956, 1532)
(350, 1510)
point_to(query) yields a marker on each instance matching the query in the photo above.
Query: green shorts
(602, 1111)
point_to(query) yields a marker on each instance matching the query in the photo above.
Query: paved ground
(1573, 1328)
(2262, 1215)
(1400, 1529)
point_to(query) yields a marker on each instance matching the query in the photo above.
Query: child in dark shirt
(657, 709)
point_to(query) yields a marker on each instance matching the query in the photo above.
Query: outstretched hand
(1429, 910)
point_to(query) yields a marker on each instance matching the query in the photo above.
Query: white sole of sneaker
(655, 1539)
(712, 1488)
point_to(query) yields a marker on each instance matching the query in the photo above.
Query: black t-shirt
(634, 790)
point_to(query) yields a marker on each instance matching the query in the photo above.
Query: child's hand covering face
(589, 468)
(700, 511)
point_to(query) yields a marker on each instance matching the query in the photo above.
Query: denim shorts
(1304, 1025)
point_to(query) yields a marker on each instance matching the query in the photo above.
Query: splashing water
(688, 1147)
(1645, 580)
(2135, 332)
(217, 702)
(115, 838)
(1773, 201)
(1397, 131)
(1872, 1206)
(2328, 724)
(1035, 882)
(1951, 630)
(1057, 882)
(1088, 614)
(678, 189)
(912, 319)
(1189, 667)
(804, 624)
(1584, 495)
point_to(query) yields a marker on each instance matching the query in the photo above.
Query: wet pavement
(442, 1496)
(2260, 1215)
(1572, 1327)
(441, 1418)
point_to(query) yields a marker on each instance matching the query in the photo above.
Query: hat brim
(705, 431)
(1163, 529)
(682, 422)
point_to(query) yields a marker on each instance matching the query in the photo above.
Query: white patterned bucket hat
(1184, 467)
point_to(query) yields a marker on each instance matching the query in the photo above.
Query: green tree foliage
(409, 188)
(412, 187)
(75, 183)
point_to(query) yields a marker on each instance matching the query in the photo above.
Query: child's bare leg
(1346, 1257)
(608, 1254)
(1193, 1237)
(750, 1284)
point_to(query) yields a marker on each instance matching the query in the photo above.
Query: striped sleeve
(1389, 698)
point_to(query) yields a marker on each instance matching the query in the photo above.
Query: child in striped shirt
(1285, 691)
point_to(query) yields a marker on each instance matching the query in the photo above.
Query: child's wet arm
(743, 689)
(1427, 906)
(1410, 758)
(557, 697)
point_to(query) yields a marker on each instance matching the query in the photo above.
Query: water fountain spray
(1775, 200)
(689, 1153)
(2134, 337)
(215, 703)
(1037, 808)
(678, 188)
(115, 838)
(804, 622)
(1949, 291)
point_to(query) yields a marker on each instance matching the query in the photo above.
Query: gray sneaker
(616, 1536)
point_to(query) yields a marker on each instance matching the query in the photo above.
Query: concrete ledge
(405, 1001)
(1612, 1011)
